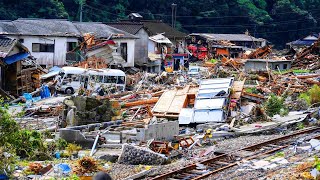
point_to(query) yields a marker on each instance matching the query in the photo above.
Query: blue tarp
(303, 42)
(45, 92)
(16, 57)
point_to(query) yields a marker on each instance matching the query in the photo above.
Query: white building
(48, 40)
(51, 41)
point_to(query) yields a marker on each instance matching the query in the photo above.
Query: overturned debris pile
(87, 110)
(137, 155)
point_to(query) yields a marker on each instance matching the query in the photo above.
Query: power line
(220, 17)
(102, 10)
(205, 17)
(293, 30)
(247, 25)
(239, 26)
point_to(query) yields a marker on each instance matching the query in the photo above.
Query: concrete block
(75, 136)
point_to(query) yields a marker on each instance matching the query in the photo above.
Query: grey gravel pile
(137, 155)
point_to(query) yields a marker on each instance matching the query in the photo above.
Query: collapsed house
(203, 45)
(18, 71)
(55, 42)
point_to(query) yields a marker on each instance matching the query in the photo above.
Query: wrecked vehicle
(71, 79)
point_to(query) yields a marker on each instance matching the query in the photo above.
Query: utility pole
(173, 14)
(82, 2)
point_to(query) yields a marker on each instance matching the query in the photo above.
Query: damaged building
(18, 71)
(150, 50)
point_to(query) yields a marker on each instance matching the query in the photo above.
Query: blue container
(57, 155)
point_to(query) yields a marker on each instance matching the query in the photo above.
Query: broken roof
(159, 38)
(6, 45)
(130, 27)
(306, 41)
(101, 30)
(7, 27)
(228, 37)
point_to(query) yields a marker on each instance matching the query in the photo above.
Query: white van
(70, 79)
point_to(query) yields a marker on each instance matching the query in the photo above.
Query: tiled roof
(157, 27)
(130, 27)
(101, 30)
(6, 45)
(58, 27)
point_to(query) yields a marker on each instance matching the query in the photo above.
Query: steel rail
(216, 164)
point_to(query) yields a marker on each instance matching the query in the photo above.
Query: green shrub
(312, 96)
(274, 105)
(305, 97)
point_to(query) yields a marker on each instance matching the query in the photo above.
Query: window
(71, 46)
(92, 78)
(124, 51)
(100, 79)
(285, 66)
(21, 40)
(37, 47)
(110, 79)
(120, 80)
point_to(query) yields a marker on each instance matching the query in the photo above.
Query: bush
(312, 96)
(275, 105)
(26, 143)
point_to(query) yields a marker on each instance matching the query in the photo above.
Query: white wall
(130, 46)
(151, 46)
(56, 58)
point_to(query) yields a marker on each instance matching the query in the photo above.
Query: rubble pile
(136, 155)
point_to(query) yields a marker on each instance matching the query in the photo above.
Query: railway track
(226, 160)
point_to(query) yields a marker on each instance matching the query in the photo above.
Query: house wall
(261, 66)
(131, 50)
(56, 58)
(141, 47)
(151, 46)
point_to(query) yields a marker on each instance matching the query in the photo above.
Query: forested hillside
(279, 21)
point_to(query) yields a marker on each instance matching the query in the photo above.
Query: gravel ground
(223, 145)
(285, 171)
(120, 171)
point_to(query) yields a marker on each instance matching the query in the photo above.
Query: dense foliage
(279, 21)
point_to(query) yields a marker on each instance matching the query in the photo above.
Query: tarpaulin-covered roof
(16, 57)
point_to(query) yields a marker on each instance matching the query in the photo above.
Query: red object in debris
(258, 126)
(199, 52)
